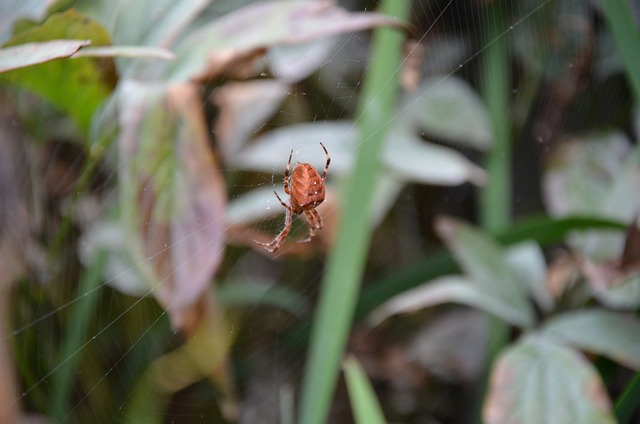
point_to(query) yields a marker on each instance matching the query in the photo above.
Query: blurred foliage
(136, 172)
(88, 81)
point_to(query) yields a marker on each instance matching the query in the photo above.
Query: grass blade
(627, 402)
(496, 196)
(346, 263)
(620, 18)
(495, 205)
(364, 403)
(76, 334)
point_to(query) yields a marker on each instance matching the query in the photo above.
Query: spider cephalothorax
(306, 191)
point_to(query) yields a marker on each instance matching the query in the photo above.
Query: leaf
(418, 161)
(491, 283)
(175, 20)
(456, 289)
(172, 197)
(364, 403)
(542, 229)
(12, 12)
(295, 62)
(243, 109)
(30, 54)
(598, 176)
(269, 153)
(486, 264)
(440, 106)
(131, 23)
(452, 345)
(77, 86)
(264, 24)
(541, 381)
(527, 260)
(204, 354)
(623, 294)
(599, 331)
(239, 293)
(118, 271)
(612, 286)
(256, 205)
(388, 188)
(616, 283)
(126, 51)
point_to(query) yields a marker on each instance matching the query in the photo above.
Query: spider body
(306, 186)
(306, 191)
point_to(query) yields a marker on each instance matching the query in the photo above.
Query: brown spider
(306, 192)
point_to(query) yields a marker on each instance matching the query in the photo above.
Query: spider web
(126, 333)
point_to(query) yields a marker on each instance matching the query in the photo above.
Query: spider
(306, 192)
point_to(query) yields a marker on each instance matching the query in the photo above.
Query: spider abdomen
(307, 187)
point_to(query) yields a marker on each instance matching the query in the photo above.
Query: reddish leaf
(173, 200)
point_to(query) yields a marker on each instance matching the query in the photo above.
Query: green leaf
(255, 205)
(365, 405)
(78, 86)
(456, 289)
(486, 264)
(543, 230)
(541, 381)
(599, 331)
(612, 287)
(440, 106)
(527, 260)
(119, 270)
(595, 175)
(243, 109)
(416, 160)
(269, 153)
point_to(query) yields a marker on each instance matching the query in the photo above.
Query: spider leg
(326, 167)
(287, 207)
(318, 218)
(315, 223)
(275, 244)
(286, 175)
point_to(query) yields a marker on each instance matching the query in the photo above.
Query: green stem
(496, 197)
(346, 263)
(76, 333)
